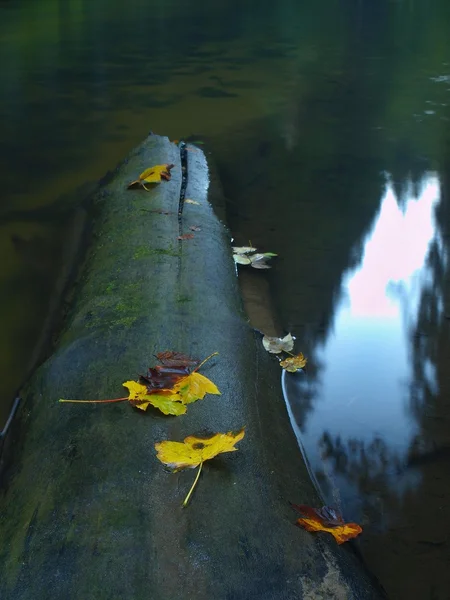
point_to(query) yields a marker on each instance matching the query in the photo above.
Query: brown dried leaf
(176, 359)
(163, 378)
(276, 345)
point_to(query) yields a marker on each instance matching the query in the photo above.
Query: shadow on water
(331, 131)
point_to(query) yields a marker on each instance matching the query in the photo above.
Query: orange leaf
(294, 363)
(327, 519)
(186, 236)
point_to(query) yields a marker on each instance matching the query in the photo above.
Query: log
(86, 509)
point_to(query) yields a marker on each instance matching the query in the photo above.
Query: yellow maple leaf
(294, 363)
(166, 401)
(188, 388)
(194, 387)
(169, 405)
(137, 390)
(193, 452)
(153, 174)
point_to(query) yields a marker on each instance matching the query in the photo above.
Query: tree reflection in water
(401, 499)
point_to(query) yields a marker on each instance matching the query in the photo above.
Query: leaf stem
(95, 401)
(186, 500)
(203, 362)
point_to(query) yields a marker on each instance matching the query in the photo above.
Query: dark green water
(330, 126)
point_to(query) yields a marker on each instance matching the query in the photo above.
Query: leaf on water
(186, 236)
(195, 228)
(258, 261)
(326, 519)
(241, 259)
(294, 363)
(166, 401)
(247, 255)
(243, 249)
(189, 201)
(195, 450)
(154, 174)
(194, 387)
(276, 345)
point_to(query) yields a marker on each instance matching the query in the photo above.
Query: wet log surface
(86, 509)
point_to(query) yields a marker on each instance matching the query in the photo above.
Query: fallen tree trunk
(87, 511)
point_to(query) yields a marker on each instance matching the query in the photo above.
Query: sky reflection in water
(362, 398)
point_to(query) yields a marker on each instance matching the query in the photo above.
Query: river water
(330, 127)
